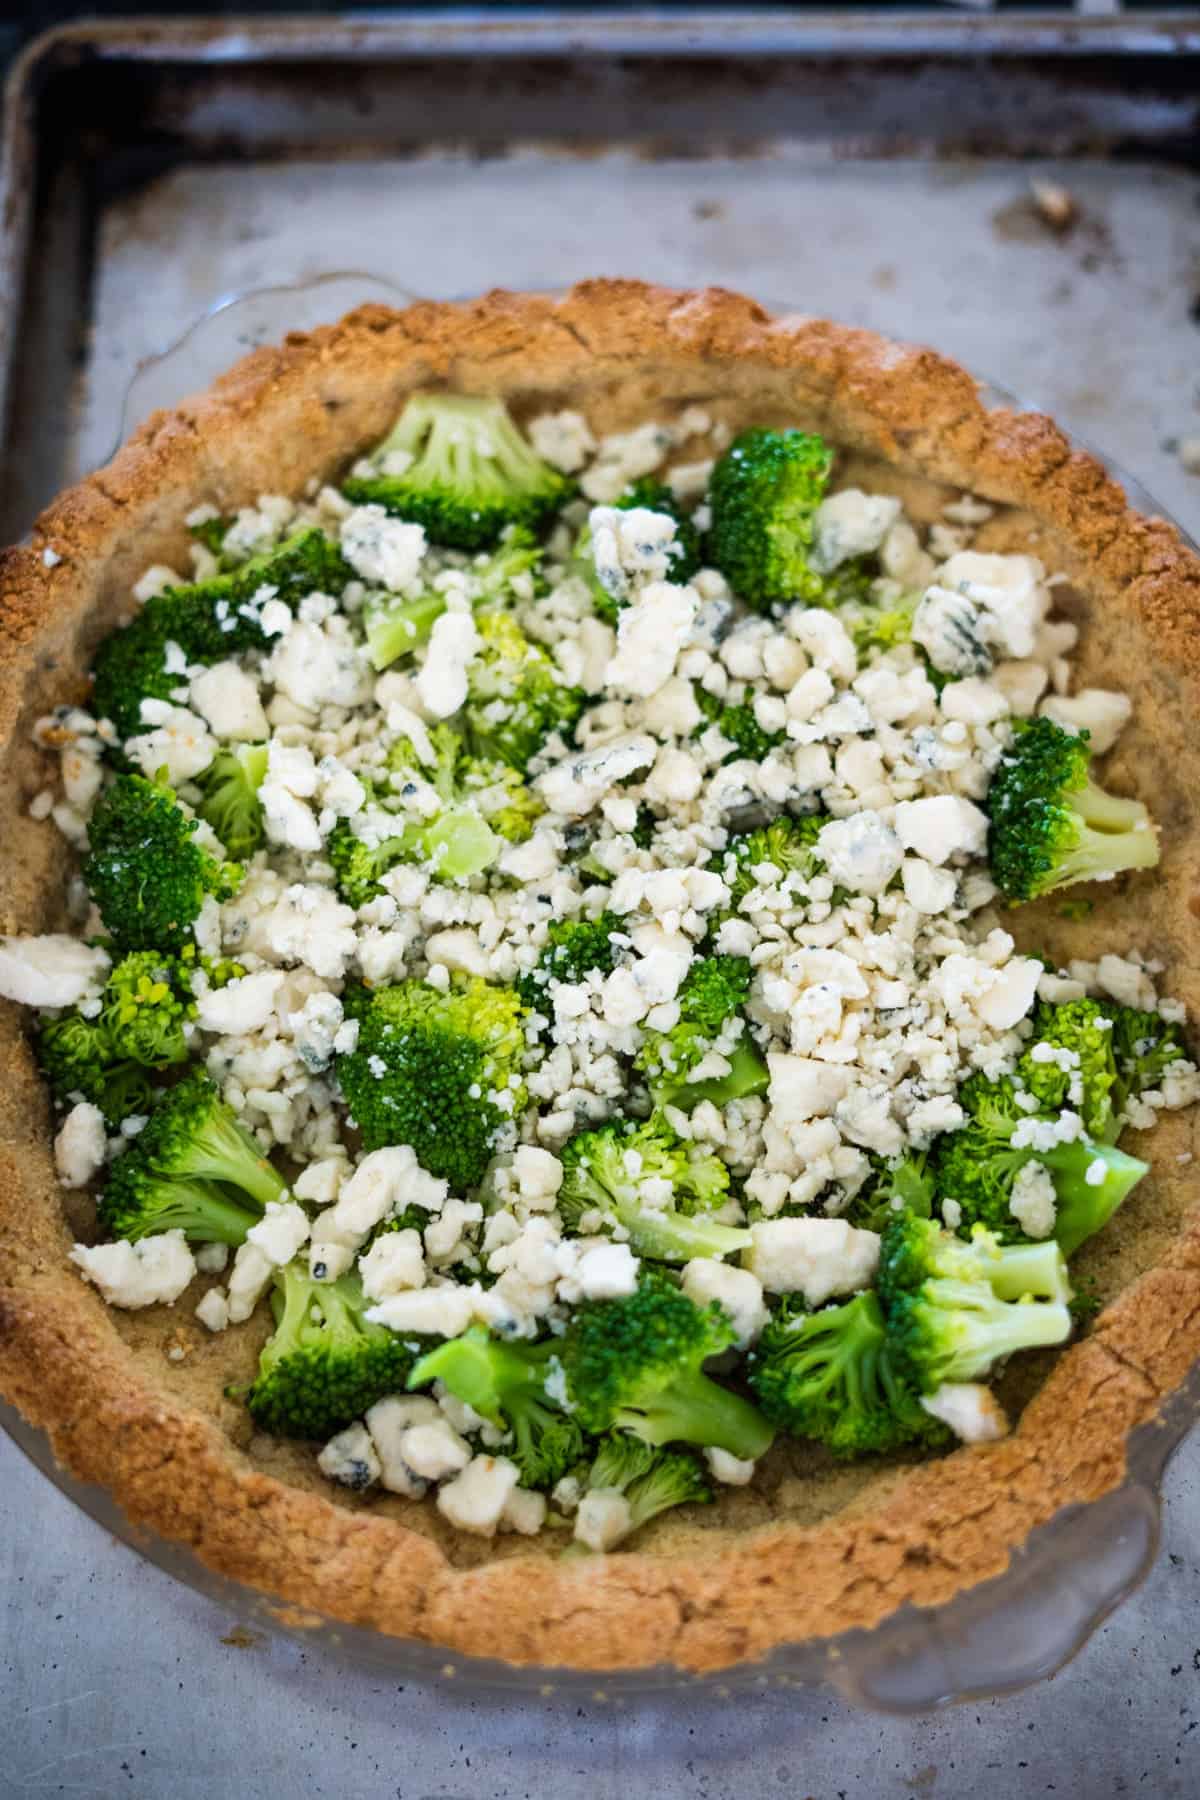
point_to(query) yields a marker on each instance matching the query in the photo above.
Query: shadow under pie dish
(813, 1547)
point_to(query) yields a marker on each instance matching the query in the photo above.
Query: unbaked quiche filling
(542, 927)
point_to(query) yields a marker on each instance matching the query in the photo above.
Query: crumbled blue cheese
(970, 1409)
(650, 634)
(152, 1272)
(55, 970)
(386, 552)
(442, 678)
(814, 1257)
(851, 523)
(351, 1459)
(80, 1145)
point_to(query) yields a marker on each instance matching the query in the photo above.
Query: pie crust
(813, 1549)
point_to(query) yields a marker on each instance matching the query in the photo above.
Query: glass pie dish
(992, 1638)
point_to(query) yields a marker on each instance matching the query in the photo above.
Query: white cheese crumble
(154, 1271)
(971, 1411)
(80, 1145)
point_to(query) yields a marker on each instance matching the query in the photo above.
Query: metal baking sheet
(874, 166)
(878, 170)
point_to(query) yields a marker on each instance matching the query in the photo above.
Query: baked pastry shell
(814, 1551)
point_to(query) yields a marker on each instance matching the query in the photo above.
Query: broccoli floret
(146, 873)
(831, 1375)
(75, 1055)
(637, 1364)
(131, 666)
(904, 1184)
(178, 1172)
(140, 1026)
(978, 1165)
(394, 627)
(325, 1362)
(426, 1068)
(682, 562)
(457, 842)
(230, 802)
(209, 620)
(506, 1383)
(714, 988)
(787, 844)
(471, 475)
(652, 1481)
(213, 619)
(515, 696)
(1083, 1029)
(606, 1170)
(1143, 1047)
(740, 726)
(763, 492)
(211, 533)
(873, 626)
(953, 1309)
(574, 948)
(1050, 825)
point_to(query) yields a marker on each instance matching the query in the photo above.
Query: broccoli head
(786, 845)
(470, 472)
(192, 1168)
(953, 1309)
(652, 1481)
(230, 804)
(763, 493)
(75, 1056)
(574, 948)
(440, 1072)
(637, 1364)
(1070, 1063)
(902, 1184)
(683, 560)
(394, 626)
(874, 626)
(713, 990)
(481, 804)
(147, 1001)
(978, 1166)
(506, 1383)
(1050, 825)
(515, 695)
(831, 1375)
(325, 1363)
(131, 666)
(618, 1171)
(740, 726)
(145, 871)
(209, 621)
(1143, 1047)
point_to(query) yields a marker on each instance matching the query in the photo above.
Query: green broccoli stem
(1083, 1208)
(222, 1151)
(1023, 1270)
(697, 1410)
(393, 631)
(973, 1335)
(460, 843)
(201, 1212)
(483, 1374)
(1098, 854)
(1102, 811)
(675, 1237)
(748, 1074)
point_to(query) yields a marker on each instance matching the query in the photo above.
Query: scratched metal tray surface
(177, 192)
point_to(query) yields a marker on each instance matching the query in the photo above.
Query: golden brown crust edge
(305, 409)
